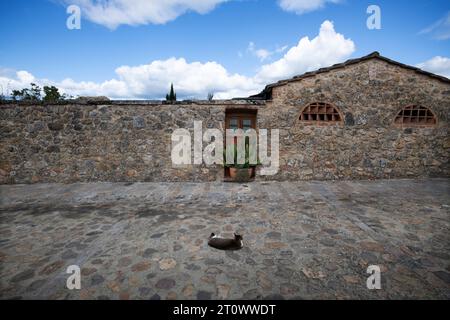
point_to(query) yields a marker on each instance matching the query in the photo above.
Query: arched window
(320, 113)
(415, 116)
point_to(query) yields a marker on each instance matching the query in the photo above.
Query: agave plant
(249, 154)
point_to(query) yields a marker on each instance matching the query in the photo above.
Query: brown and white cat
(225, 244)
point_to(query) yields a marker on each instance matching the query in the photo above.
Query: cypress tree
(171, 96)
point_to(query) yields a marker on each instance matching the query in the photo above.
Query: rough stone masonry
(78, 141)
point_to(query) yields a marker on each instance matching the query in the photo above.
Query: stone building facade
(367, 118)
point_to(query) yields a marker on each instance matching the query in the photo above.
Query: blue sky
(243, 41)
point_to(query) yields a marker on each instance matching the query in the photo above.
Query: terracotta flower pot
(233, 173)
(242, 174)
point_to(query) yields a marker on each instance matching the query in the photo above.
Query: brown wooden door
(240, 120)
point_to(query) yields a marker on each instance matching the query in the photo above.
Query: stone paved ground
(303, 240)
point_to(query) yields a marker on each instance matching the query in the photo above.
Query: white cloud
(263, 54)
(112, 13)
(303, 6)
(193, 79)
(438, 65)
(281, 49)
(440, 30)
(196, 79)
(328, 48)
(10, 80)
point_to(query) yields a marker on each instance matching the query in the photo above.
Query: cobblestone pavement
(302, 240)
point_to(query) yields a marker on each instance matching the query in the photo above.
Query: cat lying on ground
(225, 244)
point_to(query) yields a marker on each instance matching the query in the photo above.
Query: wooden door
(239, 119)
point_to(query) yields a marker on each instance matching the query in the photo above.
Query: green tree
(52, 94)
(34, 94)
(28, 94)
(17, 94)
(171, 96)
(2, 95)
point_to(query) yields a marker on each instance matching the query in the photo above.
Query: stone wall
(116, 141)
(367, 145)
(131, 140)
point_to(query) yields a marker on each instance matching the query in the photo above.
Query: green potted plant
(240, 172)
